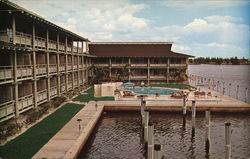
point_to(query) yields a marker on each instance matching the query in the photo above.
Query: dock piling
(193, 114)
(207, 144)
(150, 152)
(146, 117)
(237, 91)
(229, 89)
(184, 105)
(228, 140)
(157, 151)
(246, 91)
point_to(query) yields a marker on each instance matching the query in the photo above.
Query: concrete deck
(67, 143)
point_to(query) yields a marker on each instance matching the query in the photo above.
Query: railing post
(237, 91)
(228, 140)
(184, 105)
(207, 132)
(146, 126)
(150, 151)
(229, 89)
(157, 151)
(193, 115)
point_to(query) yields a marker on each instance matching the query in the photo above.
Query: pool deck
(68, 142)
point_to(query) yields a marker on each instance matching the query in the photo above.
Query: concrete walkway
(68, 142)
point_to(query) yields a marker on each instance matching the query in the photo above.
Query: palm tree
(101, 74)
(179, 75)
(123, 72)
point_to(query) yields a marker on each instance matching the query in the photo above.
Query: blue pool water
(147, 90)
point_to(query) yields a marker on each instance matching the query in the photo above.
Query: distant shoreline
(217, 64)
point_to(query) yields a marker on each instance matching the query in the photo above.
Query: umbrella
(128, 84)
(201, 84)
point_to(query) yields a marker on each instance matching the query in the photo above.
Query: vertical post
(157, 151)
(48, 76)
(223, 88)
(193, 114)
(218, 86)
(146, 126)
(34, 65)
(246, 90)
(13, 29)
(207, 144)
(229, 89)
(150, 141)
(168, 64)
(228, 140)
(237, 91)
(129, 69)
(184, 105)
(148, 71)
(16, 84)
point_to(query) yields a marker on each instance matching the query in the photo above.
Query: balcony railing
(53, 92)
(23, 39)
(75, 67)
(25, 103)
(41, 69)
(63, 87)
(139, 65)
(6, 35)
(158, 65)
(69, 48)
(157, 77)
(7, 110)
(139, 77)
(101, 65)
(24, 71)
(118, 65)
(69, 67)
(6, 74)
(41, 96)
(177, 65)
(70, 85)
(40, 42)
(74, 49)
(61, 46)
(62, 68)
(52, 69)
(52, 45)
(75, 83)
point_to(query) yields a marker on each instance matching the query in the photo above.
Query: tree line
(219, 60)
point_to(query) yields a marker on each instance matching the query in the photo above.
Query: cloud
(218, 19)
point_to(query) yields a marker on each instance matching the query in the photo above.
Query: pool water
(148, 90)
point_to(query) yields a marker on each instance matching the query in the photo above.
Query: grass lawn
(30, 142)
(186, 86)
(90, 96)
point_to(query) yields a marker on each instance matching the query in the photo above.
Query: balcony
(70, 85)
(63, 87)
(61, 47)
(42, 96)
(62, 68)
(40, 42)
(101, 65)
(41, 70)
(139, 65)
(75, 67)
(118, 65)
(52, 69)
(178, 65)
(69, 67)
(24, 72)
(53, 92)
(7, 110)
(52, 45)
(25, 103)
(80, 66)
(75, 84)
(74, 49)
(139, 77)
(158, 65)
(23, 39)
(6, 74)
(69, 48)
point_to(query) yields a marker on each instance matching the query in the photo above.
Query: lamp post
(79, 122)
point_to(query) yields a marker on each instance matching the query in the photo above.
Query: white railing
(177, 65)
(80, 49)
(62, 68)
(53, 91)
(75, 67)
(6, 35)
(61, 46)
(74, 49)
(42, 96)
(139, 65)
(24, 71)
(40, 42)
(118, 65)
(7, 110)
(158, 65)
(69, 48)
(70, 85)
(63, 87)
(52, 45)
(75, 84)
(157, 77)
(23, 39)
(139, 77)
(6, 73)
(80, 66)
(52, 68)
(101, 65)
(69, 67)
(41, 69)
(25, 103)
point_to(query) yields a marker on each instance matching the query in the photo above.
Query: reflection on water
(118, 136)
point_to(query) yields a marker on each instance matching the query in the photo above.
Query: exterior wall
(37, 64)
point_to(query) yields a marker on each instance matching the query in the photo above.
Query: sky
(202, 28)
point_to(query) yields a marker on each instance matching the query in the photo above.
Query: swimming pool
(148, 90)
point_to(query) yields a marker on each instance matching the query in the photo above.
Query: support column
(13, 30)
(48, 77)
(66, 71)
(78, 71)
(129, 69)
(58, 75)
(168, 65)
(34, 66)
(110, 68)
(16, 84)
(72, 58)
(148, 71)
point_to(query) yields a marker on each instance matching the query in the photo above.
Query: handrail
(40, 38)
(6, 67)
(6, 103)
(42, 91)
(52, 41)
(24, 66)
(21, 34)
(53, 87)
(41, 65)
(25, 97)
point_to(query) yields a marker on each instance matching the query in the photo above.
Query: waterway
(118, 136)
(230, 74)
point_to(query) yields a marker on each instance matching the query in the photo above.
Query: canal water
(230, 74)
(118, 136)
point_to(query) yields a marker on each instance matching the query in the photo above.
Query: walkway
(68, 142)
